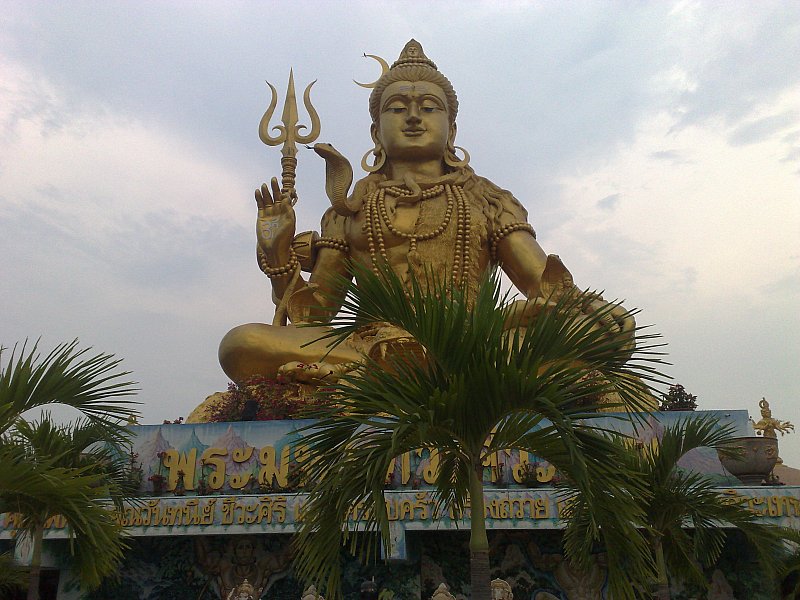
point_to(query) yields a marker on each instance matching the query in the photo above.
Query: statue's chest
(390, 224)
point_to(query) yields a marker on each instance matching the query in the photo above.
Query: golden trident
(289, 133)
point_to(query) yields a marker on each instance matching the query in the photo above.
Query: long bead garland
(376, 214)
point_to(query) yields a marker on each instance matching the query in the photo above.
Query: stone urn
(759, 455)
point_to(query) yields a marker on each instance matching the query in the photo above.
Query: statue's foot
(257, 349)
(314, 373)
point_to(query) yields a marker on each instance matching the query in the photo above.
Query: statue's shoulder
(365, 186)
(501, 205)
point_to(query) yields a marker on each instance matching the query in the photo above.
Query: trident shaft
(289, 132)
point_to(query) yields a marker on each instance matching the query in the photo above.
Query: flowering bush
(274, 399)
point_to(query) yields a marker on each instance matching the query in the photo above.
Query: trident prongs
(289, 132)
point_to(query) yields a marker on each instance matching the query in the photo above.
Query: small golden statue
(421, 209)
(243, 591)
(767, 426)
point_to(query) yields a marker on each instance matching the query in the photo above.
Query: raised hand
(275, 225)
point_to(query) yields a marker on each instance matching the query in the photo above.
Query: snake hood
(338, 178)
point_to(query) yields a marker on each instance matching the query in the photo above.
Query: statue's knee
(242, 351)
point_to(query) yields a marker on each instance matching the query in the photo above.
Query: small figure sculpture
(442, 593)
(311, 593)
(576, 583)
(421, 210)
(244, 562)
(767, 426)
(243, 591)
(501, 590)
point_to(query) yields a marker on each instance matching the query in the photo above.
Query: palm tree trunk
(480, 575)
(662, 583)
(36, 562)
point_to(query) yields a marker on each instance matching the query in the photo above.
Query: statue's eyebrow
(397, 96)
(404, 96)
(433, 97)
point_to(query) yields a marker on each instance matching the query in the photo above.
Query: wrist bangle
(286, 269)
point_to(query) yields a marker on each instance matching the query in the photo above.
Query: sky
(656, 147)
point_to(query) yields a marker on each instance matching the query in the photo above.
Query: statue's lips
(413, 132)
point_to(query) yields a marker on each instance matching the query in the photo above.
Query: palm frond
(534, 389)
(685, 512)
(67, 375)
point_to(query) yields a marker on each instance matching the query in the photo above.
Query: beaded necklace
(377, 214)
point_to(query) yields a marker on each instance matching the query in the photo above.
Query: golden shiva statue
(421, 208)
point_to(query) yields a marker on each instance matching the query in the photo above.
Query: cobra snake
(338, 178)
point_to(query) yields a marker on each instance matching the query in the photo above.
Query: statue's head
(501, 590)
(765, 410)
(413, 65)
(413, 109)
(243, 550)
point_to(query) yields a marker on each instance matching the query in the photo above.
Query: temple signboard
(517, 509)
(267, 457)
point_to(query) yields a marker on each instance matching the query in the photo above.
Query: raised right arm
(321, 298)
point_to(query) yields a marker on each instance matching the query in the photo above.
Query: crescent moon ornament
(384, 70)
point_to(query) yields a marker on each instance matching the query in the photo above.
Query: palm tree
(479, 385)
(12, 577)
(688, 518)
(42, 471)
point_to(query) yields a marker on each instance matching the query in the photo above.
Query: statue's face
(243, 549)
(413, 123)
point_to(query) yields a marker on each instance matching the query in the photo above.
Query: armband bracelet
(286, 269)
(499, 234)
(335, 243)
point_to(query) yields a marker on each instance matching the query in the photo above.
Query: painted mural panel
(267, 456)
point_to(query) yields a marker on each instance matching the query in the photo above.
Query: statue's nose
(413, 114)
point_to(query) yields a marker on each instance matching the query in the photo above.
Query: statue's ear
(373, 131)
(451, 138)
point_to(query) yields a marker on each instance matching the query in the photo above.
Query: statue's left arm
(523, 260)
(539, 276)
(512, 241)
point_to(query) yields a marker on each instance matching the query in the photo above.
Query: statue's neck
(398, 169)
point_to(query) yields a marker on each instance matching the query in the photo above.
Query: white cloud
(128, 155)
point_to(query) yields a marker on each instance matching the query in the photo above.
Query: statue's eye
(428, 109)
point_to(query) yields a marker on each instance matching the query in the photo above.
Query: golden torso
(445, 234)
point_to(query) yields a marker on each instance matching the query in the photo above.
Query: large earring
(380, 159)
(451, 158)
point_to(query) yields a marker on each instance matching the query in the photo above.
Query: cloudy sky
(655, 145)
